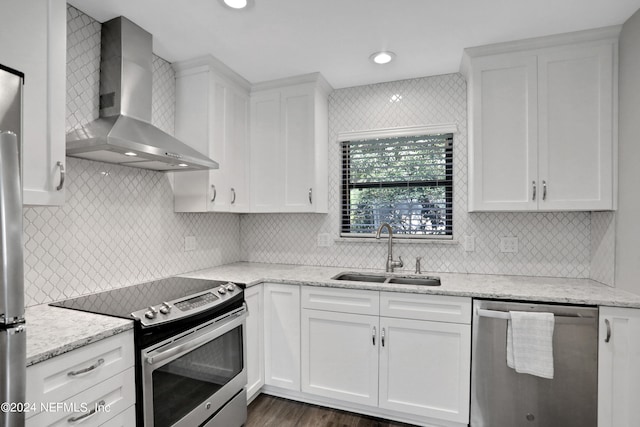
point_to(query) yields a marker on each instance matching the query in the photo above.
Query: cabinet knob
(62, 175)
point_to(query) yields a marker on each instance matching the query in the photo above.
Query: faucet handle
(399, 263)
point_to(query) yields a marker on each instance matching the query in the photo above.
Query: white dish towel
(530, 343)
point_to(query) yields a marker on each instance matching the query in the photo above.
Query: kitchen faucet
(391, 264)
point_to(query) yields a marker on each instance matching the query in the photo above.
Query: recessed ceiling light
(236, 4)
(183, 165)
(130, 154)
(382, 57)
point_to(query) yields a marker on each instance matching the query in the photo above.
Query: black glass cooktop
(122, 302)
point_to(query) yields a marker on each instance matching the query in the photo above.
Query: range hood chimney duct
(123, 134)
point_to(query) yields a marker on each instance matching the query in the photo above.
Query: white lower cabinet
(340, 356)
(618, 368)
(424, 368)
(92, 385)
(255, 341)
(282, 336)
(415, 368)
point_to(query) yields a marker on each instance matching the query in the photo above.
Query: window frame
(391, 133)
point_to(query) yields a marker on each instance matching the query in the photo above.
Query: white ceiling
(282, 38)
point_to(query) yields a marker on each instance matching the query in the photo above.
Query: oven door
(191, 376)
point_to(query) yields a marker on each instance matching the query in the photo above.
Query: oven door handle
(194, 343)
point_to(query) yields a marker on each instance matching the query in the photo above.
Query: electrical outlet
(469, 244)
(324, 240)
(189, 243)
(509, 244)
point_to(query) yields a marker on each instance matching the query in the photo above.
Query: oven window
(183, 384)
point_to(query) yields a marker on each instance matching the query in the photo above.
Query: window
(406, 181)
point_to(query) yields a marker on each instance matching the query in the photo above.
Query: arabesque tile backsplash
(118, 227)
(550, 244)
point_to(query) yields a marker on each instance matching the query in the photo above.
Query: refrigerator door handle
(12, 271)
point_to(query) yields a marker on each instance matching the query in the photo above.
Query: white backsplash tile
(550, 244)
(117, 226)
(603, 242)
(119, 229)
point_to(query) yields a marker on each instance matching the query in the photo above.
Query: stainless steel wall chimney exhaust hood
(123, 134)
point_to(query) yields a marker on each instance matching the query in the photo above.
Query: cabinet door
(282, 335)
(503, 142)
(219, 116)
(267, 174)
(33, 39)
(340, 356)
(255, 338)
(212, 117)
(575, 94)
(237, 150)
(193, 191)
(298, 139)
(618, 370)
(425, 368)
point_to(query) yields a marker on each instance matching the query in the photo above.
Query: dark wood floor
(269, 411)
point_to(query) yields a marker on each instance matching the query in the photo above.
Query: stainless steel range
(190, 334)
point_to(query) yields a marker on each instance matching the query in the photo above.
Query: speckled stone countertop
(543, 289)
(52, 331)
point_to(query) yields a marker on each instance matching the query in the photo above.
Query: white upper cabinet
(212, 116)
(33, 39)
(542, 121)
(289, 143)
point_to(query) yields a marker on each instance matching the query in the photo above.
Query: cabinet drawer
(341, 300)
(117, 393)
(123, 419)
(439, 308)
(54, 380)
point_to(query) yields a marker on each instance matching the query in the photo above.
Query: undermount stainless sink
(388, 278)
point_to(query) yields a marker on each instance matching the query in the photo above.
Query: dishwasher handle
(499, 314)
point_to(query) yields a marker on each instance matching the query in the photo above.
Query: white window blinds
(405, 181)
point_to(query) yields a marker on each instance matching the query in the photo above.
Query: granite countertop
(543, 289)
(52, 331)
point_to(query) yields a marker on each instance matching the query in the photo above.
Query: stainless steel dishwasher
(500, 397)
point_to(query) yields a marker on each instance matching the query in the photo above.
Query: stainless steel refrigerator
(13, 341)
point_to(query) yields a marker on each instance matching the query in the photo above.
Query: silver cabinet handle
(85, 370)
(382, 337)
(544, 190)
(213, 198)
(62, 174)
(86, 416)
(373, 337)
(608, 325)
(233, 194)
(311, 196)
(534, 191)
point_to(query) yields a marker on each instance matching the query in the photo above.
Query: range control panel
(187, 306)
